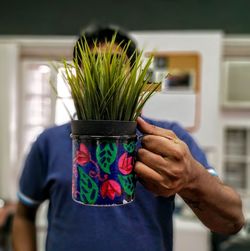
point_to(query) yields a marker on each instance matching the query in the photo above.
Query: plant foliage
(105, 84)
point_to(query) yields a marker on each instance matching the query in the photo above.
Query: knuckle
(167, 186)
(159, 159)
(178, 154)
(178, 172)
(181, 152)
(175, 184)
(171, 133)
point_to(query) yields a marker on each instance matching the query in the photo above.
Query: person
(7, 210)
(169, 162)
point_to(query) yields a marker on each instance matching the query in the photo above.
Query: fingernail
(140, 118)
(140, 137)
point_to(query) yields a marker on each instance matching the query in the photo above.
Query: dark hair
(100, 34)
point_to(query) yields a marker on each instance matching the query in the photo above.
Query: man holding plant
(168, 162)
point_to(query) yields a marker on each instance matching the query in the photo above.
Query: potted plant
(109, 92)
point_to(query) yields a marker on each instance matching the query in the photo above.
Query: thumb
(146, 128)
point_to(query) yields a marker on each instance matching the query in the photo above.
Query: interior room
(201, 62)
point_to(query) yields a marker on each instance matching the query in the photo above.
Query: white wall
(8, 84)
(208, 45)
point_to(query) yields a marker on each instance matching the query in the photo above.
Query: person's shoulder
(54, 132)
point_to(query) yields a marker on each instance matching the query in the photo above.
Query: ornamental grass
(107, 85)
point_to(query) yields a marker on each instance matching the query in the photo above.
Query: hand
(5, 212)
(165, 165)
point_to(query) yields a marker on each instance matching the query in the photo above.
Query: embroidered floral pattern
(103, 171)
(88, 188)
(127, 183)
(106, 154)
(82, 155)
(125, 164)
(130, 147)
(110, 188)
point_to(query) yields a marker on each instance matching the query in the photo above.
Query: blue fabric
(144, 225)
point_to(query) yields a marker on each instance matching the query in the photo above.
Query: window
(64, 102)
(40, 107)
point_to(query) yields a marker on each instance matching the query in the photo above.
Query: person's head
(101, 34)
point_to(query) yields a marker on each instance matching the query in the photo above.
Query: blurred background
(203, 45)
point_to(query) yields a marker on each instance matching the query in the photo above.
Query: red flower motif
(110, 188)
(125, 164)
(82, 155)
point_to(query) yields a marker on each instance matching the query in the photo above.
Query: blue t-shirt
(144, 225)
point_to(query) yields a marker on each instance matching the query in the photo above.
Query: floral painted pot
(103, 162)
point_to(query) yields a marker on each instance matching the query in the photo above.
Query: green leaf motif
(88, 188)
(106, 154)
(127, 183)
(130, 147)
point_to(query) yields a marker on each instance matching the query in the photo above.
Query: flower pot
(103, 162)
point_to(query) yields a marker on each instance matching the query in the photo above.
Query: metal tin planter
(103, 161)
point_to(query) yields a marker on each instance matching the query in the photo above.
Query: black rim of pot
(103, 127)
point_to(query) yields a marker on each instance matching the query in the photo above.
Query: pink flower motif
(125, 164)
(82, 155)
(110, 189)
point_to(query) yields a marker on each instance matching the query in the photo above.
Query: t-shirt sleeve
(32, 182)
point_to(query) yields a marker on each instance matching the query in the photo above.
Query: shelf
(236, 157)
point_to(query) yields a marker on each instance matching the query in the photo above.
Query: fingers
(164, 147)
(147, 174)
(163, 159)
(155, 162)
(147, 128)
(152, 180)
(160, 141)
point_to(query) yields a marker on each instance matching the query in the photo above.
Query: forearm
(166, 166)
(216, 205)
(24, 229)
(24, 235)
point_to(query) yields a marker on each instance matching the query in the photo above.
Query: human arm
(7, 210)
(24, 229)
(32, 192)
(165, 166)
